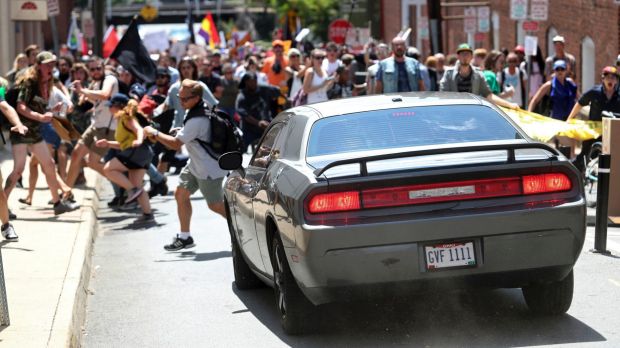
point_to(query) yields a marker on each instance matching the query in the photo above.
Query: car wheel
(296, 312)
(244, 277)
(550, 298)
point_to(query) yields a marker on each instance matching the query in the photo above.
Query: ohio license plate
(448, 255)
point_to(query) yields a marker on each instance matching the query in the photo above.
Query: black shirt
(598, 102)
(464, 83)
(212, 81)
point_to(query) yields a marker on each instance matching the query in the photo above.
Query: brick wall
(575, 19)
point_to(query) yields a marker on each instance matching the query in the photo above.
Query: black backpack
(225, 136)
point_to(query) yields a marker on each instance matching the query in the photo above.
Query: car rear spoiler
(510, 147)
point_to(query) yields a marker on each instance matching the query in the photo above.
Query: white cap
(558, 38)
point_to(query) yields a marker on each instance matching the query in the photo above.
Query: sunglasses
(161, 76)
(96, 69)
(559, 69)
(319, 57)
(294, 56)
(185, 99)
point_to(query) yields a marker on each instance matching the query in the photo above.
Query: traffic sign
(470, 24)
(337, 31)
(484, 23)
(539, 10)
(518, 9)
(52, 8)
(530, 26)
(479, 37)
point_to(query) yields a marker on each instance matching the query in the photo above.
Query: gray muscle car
(386, 194)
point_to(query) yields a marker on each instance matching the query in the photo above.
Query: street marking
(614, 282)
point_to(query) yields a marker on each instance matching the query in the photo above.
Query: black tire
(245, 279)
(550, 298)
(297, 314)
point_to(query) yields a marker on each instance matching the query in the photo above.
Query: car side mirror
(230, 160)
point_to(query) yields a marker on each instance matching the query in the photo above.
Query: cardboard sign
(29, 10)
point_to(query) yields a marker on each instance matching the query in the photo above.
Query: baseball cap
(610, 70)
(293, 51)
(464, 47)
(163, 71)
(45, 57)
(137, 91)
(519, 49)
(277, 43)
(558, 38)
(118, 99)
(559, 64)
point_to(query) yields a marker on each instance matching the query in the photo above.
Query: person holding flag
(209, 32)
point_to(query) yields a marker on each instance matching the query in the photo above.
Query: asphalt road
(143, 296)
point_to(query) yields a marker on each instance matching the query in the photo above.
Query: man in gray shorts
(202, 172)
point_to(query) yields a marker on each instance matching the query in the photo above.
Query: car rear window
(406, 127)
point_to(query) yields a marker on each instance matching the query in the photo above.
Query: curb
(70, 312)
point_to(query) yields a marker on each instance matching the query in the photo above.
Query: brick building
(591, 29)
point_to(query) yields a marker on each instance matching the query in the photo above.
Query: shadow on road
(477, 319)
(192, 256)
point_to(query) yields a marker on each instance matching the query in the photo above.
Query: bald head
(399, 47)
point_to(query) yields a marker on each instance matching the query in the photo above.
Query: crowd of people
(67, 113)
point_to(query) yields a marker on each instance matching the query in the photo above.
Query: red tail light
(544, 183)
(439, 192)
(332, 202)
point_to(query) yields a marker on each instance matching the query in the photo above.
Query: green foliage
(314, 14)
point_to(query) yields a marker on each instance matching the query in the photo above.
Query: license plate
(448, 255)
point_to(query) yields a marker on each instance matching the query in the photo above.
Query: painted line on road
(614, 282)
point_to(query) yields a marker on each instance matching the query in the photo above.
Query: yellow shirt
(124, 135)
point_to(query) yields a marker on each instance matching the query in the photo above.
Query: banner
(543, 128)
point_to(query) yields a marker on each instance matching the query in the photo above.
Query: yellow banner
(543, 128)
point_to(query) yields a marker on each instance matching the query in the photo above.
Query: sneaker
(62, 207)
(178, 244)
(144, 219)
(133, 194)
(8, 232)
(128, 206)
(159, 189)
(115, 202)
(12, 215)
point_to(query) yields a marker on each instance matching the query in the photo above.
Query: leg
(114, 170)
(62, 161)
(218, 208)
(49, 169)
(4, 206)
(184, 207)
(20, 152)
(94, 162)
(77, 156)
(136, 176)
(33, 171)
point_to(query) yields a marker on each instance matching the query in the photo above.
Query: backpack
(225, 136)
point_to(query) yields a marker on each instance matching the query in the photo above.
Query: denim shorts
(49, 135)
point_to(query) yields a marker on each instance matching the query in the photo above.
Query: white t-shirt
(201, 164)
(514, 82)
(101, 113)
(330, 67)
(58, 97)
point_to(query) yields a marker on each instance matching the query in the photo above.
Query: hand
(57, 107)
(77, 85)
(263, 124)
(46, 117)
(149, 130)
(20, 128)
(136, 143)
(102, 143)
(514, 106)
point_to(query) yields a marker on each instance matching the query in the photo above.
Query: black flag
(133, 56)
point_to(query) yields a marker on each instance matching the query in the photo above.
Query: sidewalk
(47, 271)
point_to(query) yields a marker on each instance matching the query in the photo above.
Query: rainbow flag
(208, 31)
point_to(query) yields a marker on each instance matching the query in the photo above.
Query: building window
(588, 63)
(551, 32)
(495, 23)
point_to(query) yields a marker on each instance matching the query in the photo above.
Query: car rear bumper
(512, 249)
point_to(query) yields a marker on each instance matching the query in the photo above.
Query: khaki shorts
(211, 189)
(92, 134)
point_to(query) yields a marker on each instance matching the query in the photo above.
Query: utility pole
(434, 21)
(99, 13)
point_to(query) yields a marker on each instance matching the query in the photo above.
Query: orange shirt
(272, 77)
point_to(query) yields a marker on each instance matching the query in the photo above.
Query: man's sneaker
(178, 244)
(144, 219)
(62, 207)
(12, 215)
(133, 194)
(8, 232)
(128, 206)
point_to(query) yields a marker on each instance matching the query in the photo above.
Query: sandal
(24, 201)
(68, 196)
